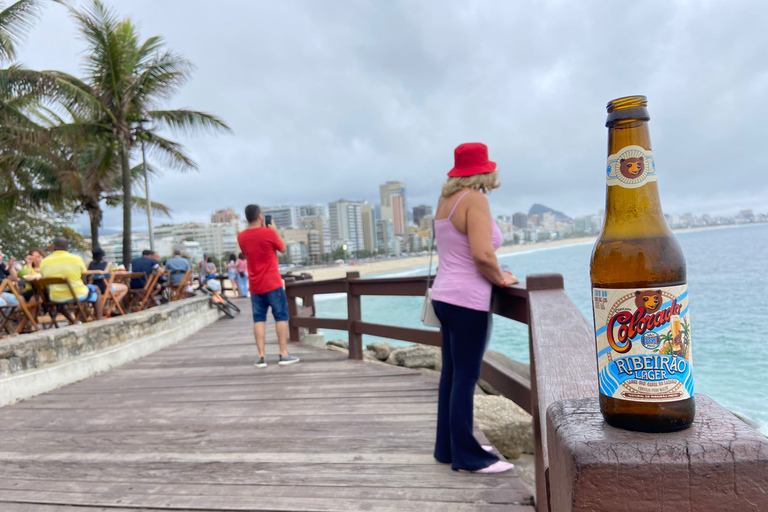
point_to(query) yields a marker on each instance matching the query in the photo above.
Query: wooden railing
(581, 463)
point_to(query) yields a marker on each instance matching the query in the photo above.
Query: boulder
(370, 355)
(417, 356)
(523, 369)
(382, 350)
(506, 425)
(336, 348)
(339, 343)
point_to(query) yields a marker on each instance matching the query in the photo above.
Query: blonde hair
(481, 182)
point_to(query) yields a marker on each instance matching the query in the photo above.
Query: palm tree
(15, 22)
(126, 80)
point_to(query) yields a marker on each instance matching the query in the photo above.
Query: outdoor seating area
(33, 310)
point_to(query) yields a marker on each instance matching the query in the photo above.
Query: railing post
(293, 312)
(536, 282)
(309, 302)
(354, 315)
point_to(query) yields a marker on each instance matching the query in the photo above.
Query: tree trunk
(127, 204)
(95, 215)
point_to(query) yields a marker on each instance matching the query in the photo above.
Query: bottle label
(631, 167)
(644, 343)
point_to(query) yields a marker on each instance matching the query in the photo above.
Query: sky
(329, 99)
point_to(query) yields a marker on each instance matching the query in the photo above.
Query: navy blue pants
(465, 337)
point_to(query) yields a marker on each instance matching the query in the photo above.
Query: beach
(400, 264)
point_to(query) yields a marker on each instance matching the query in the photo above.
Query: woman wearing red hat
(467, 238)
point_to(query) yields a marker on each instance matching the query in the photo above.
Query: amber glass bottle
(639, 290)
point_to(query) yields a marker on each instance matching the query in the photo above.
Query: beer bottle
(639, 290)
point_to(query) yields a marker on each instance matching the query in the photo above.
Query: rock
(506, 425)
(336, 348)
(523, 369)
(417, 356)
(339, 343)
(382, 350)
(370, 355)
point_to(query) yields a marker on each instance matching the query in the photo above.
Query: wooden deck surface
(197, 427)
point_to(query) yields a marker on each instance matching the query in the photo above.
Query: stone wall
(35, 363)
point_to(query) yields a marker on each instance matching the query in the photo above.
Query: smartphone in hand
(267, 220)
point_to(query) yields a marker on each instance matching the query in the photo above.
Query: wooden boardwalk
(197, 427)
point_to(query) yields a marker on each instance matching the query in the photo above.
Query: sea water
(728, 283)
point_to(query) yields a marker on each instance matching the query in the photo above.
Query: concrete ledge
(719, 463)
(32, 364)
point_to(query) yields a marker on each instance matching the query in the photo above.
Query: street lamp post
(146, 194)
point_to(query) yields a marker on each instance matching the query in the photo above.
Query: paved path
(197, 427)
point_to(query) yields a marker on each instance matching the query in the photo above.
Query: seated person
(163, 280)
(145, 264)
(31, 271)
(8, 271)
(63, 264)
(177, 266)
(104, 267)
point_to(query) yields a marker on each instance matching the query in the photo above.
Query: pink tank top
(458, 281)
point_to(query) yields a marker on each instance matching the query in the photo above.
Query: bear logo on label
(650, 300)
(631, 167)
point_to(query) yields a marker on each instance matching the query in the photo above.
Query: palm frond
(169, 152)
(188, 121)
(16, 20)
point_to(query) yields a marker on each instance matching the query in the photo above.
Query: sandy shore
(402, 264)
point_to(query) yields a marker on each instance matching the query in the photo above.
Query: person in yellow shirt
(62, 263)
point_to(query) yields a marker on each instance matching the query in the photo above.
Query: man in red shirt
(259, 244)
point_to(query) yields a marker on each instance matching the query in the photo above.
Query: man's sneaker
(260, 363)
(289, 359)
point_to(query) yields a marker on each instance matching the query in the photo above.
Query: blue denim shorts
(274, 299)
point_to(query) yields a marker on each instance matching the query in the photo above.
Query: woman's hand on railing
(510, 279)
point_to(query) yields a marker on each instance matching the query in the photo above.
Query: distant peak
(540, 209)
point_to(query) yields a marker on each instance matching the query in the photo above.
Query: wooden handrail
(563, 373)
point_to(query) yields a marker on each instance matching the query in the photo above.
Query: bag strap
(431, 246)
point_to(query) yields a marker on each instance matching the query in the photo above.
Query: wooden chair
(143, 298)
(17, 319)
(108, 300)
(179, 291)
(73, 310)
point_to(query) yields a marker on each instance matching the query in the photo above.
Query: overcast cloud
(328, 99)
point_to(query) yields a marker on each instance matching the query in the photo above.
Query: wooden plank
(499, 496)
(423, 336)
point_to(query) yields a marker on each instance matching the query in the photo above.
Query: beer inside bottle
(639, 289)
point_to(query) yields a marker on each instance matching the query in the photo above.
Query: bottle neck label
(631, 167)
(643, 343)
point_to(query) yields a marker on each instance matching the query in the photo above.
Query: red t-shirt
(259, 246)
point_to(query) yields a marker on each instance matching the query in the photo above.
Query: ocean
(728, 283)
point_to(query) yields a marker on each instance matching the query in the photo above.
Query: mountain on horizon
(540, 209)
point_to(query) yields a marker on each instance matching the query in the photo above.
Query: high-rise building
(322, 235)
(420, 211)
(385, 236)
(393, 206)
(283, 216)
(224, 216)
(520, 220)
(311, 210)
(346, 223)
(369, 227)
(548, 222)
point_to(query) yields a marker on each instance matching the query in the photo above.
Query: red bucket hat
(470, 159)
